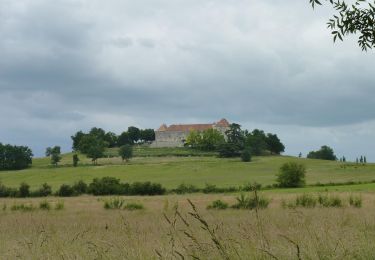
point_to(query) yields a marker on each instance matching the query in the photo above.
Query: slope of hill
(172, 171)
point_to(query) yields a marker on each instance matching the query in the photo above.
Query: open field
(165, 229)
(172, 171)
(85, 230)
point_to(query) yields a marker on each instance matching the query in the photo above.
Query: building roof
(163, 127)
(191, 127)
(223, 123)
(185, 128)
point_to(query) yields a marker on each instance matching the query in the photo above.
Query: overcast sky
(67, 65)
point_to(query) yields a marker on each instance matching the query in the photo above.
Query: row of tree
(94, 143)
(131, 136)
(236, 142)
(15, 157)
(362, 159)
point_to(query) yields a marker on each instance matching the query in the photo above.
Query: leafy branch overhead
(357, 17)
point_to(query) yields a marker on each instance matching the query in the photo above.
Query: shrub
(59, 205)
(336, 202)
(246, 155)
(114, 203)
(7, 192)
(228, 150)
(44, 191)
(65, 191)
(186, 188)
(291, 174)
(218, 204)
(146, 188)
(306, 201)
(44, 205)
(75, 160)
(210, 188)
(329, 201)
(251, 186)
(13, 192)
(355, 201)
(133, 206)
(22, 207)
(251, 202)
(24, 190)
(80, 187)
(107, 186)
(112, 186)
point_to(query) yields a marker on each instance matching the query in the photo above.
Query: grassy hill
(185, 166)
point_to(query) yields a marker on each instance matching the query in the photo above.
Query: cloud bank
(69, 65)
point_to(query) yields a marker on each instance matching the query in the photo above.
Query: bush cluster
(253, 201)
(322, 200)
(43, 205)
(218, 204)
(186, 188)
(210, 188)
(102, 186)
(291, 175)
(113, 186)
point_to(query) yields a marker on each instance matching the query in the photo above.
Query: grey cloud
(88, 62)
(146, 42)
(123, 42)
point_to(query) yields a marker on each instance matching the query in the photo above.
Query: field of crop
(172, 171)
(164, 229)
(169, 227)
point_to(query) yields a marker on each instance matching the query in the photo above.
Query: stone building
(175, 135)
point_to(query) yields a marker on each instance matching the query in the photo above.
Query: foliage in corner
(355, 18)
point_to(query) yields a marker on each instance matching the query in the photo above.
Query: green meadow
(172, 167)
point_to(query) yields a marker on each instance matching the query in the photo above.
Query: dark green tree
(126, 152)
(15, 157)
(361, 159)
(364, 159)
(93, 147)
(147, 135)
(134, 134)
(77, 139)
(227, 150)
(325, 153)
(75, 160)
(343, 159)
(111, 139)
(257, 141)
(54, 153)
(353, 17)
(97, 132)
(235, 135)
(274, 145)
(123, 139)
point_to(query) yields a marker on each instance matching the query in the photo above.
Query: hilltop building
(175, 135)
